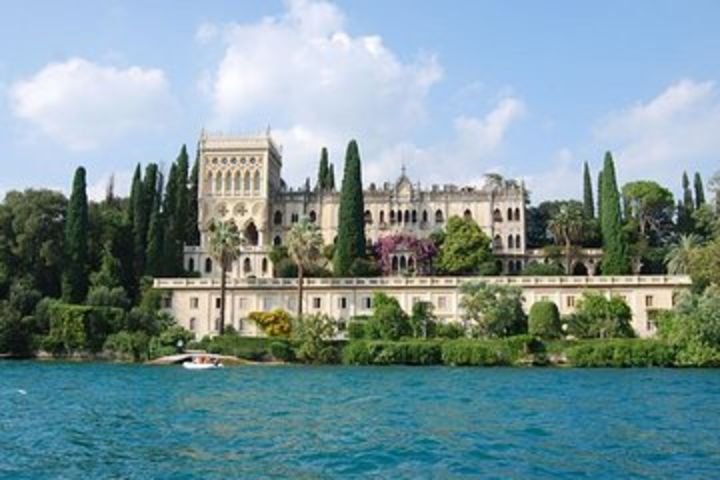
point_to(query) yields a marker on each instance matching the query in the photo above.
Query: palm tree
(225, 243)
(678, 258)
(305, 245)
(566, 227)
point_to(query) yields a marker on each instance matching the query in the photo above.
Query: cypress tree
(615, 259)
(351, 226)
(599, 194)
(139, 224)
(135, 190)
(588, 203)
(170, 240)
(154, 252)
(75, 273)
(323, 170)
(331, 178)
(192, 233)
(699, 191)
(688, 202)
(181, 207)
(149, 186)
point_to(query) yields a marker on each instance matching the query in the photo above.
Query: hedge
(622, 353)
(379, 352)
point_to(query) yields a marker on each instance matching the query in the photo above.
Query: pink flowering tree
(423, 250)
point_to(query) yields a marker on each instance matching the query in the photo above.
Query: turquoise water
(126, 421)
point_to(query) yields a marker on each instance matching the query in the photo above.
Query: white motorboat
(201, 366)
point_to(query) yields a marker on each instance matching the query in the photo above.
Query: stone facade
(240, 179)
(195, 302)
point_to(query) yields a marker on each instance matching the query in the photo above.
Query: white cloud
(83, 105)
(97, 191)
(676, 130)
(561, 180)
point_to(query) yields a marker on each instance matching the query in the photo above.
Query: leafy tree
(323, 171)
(110, 273)
(192, 233)
(304, 246)
(704, 265)
(350, 244)
(699, 191)
(493, 310)
(596, 316)
(464, 249)
(422, 320)
(615, 259)
(588, 203)
(567, 229)
(102, 296)
(650, 206)
(388, 320)
(680, 254)
(75, 273)
(313, 334)
(536, 269)
(544, 320)
(225, 242)
(706, 222)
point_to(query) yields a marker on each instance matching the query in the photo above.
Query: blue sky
(528, 89)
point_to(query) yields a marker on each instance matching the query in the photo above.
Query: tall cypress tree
(192, 233)
(135, 190)
(331, 178)
(699, 191)
(351, 226)
(588, 203)
(149, 186)
(139, 223)
(615, 258)
(323, 170)
(75, 273)
(181, 207)
(154, 252)
(599, 194)
(688, 202)
(170, 239)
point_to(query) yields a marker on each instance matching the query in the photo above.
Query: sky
(451, 90)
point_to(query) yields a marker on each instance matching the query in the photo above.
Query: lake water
(95, 421)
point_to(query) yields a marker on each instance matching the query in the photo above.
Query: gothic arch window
(407, 216)
(294, 218)
(518, 266)
(277, 218)
(510, 215)
(277, 241)
(392, 216)
(439, 216)
(518, 243)
(238, 183)
(517, 214)
(247, 266)
(246, 182)
(403, 262)
(264, 265)
(218, 183)
(497, 215)
(399, 216)
(467, 214)
(312, 216)
(394, 263)
(497, 243)
(256, 182)
(191, 265)
(411, 264)
(510, 242)
(251, 234)
(208, 265)
(382, 216)
(424, 216)
(368, 217)
(228, 183)
(414, 216)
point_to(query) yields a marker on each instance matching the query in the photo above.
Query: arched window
(510, 242)
(439, 216)
(218, 183)
(277, 241)
(228, 183)
(246, 182)
(238, 183)
(517, 214)
(368, 217)
(192, 324)
(294, 218)
(509, 215)
(394, 263)
(511, 267)
(497, 215)
(312, 216)
(277, 218)
(247, 266)
(403, 262)
(411, 264)
(382, 216)
(256, 182)
(518, 266)
(251, 234)
(264, 265)
(425, 216)
(467, 214)
(407, 216)
(497, 242)
(399, 216)
(191, 265)
(414, 216)
(208, 265)
(392, 216)
(518, 243)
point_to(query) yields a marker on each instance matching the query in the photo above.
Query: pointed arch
(228, 183)
(517, 214)
(510, 242)
(510, 215)
(256, 181)
(218, 183)
(247, 265)
(518, 243)
(246, 182)
(251, 234)
(467, 214)
(238, 183)
(439, 216)
(497, 215)
(425, 216)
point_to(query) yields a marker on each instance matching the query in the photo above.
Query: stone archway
(251, 234)
(579, 269)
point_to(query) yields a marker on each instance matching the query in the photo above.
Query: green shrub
(249, 348)
(282, 351)
(466, 352)
(412, 352)
(544, 320)
(80, 327)
(357, 353)
(450, 330)
(535, 269)
(126, 345)
(356, 330)
(622, 353)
